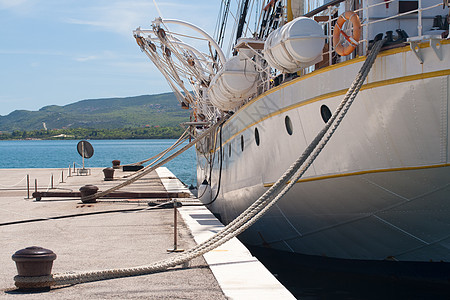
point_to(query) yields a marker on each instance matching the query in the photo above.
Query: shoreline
(88, 139)
(145, 132)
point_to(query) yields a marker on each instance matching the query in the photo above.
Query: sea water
(26, 154)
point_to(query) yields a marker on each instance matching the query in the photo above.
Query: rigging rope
(162, 153)
(243, 221)
(220, 170)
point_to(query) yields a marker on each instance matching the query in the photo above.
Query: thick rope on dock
(243, 221)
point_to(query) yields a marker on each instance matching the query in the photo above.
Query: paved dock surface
(119, 238)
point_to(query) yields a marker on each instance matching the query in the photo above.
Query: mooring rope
(149, 169)
(293, 174)
(162, 153)
(243, 221)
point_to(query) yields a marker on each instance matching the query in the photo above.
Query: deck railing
(271, 77)
(367, 21)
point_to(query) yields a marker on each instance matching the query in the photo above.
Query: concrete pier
(118, 233)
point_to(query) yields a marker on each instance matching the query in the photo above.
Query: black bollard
(116, 164)
(109, 174)
(88, 190)
(34, 262)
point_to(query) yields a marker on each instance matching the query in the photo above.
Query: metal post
(28, 186)
(366, 15)
(62, 176)
(330, 39)
(70, 171)
(419, 18)
(175, 231)
(82, 151)
(73, 167)
(51, 184)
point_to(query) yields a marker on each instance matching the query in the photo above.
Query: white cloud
(104, 55)
(141, 67)
(31, 52)
(84, 22)
(21, 7)
(86, 58)
(123, 17)
(7, 4)
(120, 17)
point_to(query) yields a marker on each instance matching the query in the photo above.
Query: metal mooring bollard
(88, 190)
(109, 174)
(116, 164)
(34, 262)
(36, 187)
(28, 186)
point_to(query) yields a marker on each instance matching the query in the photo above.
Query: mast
(220, 33)
(271, 17)
(242, 18)
(223, 24)
(290, 15)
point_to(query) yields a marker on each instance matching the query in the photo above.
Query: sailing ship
(380, 189)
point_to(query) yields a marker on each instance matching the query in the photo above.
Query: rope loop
(24, 282)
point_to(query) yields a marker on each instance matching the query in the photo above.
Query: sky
(56, 52)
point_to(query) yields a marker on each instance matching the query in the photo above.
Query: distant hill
(153, 110)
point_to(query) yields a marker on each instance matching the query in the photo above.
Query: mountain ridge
(105, 113)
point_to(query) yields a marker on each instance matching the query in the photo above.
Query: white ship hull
(379, 189)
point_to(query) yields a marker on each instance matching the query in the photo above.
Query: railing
(368, 21)
(270, 78)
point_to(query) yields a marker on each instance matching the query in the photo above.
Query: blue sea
(62, 154)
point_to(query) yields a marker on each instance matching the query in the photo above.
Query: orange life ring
(352, 40)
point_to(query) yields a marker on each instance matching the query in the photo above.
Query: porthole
(325, 112)
(257, 136)
(229, 150)
(242, 142)
(288, 123)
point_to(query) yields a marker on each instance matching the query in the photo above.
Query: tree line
(95, 134)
